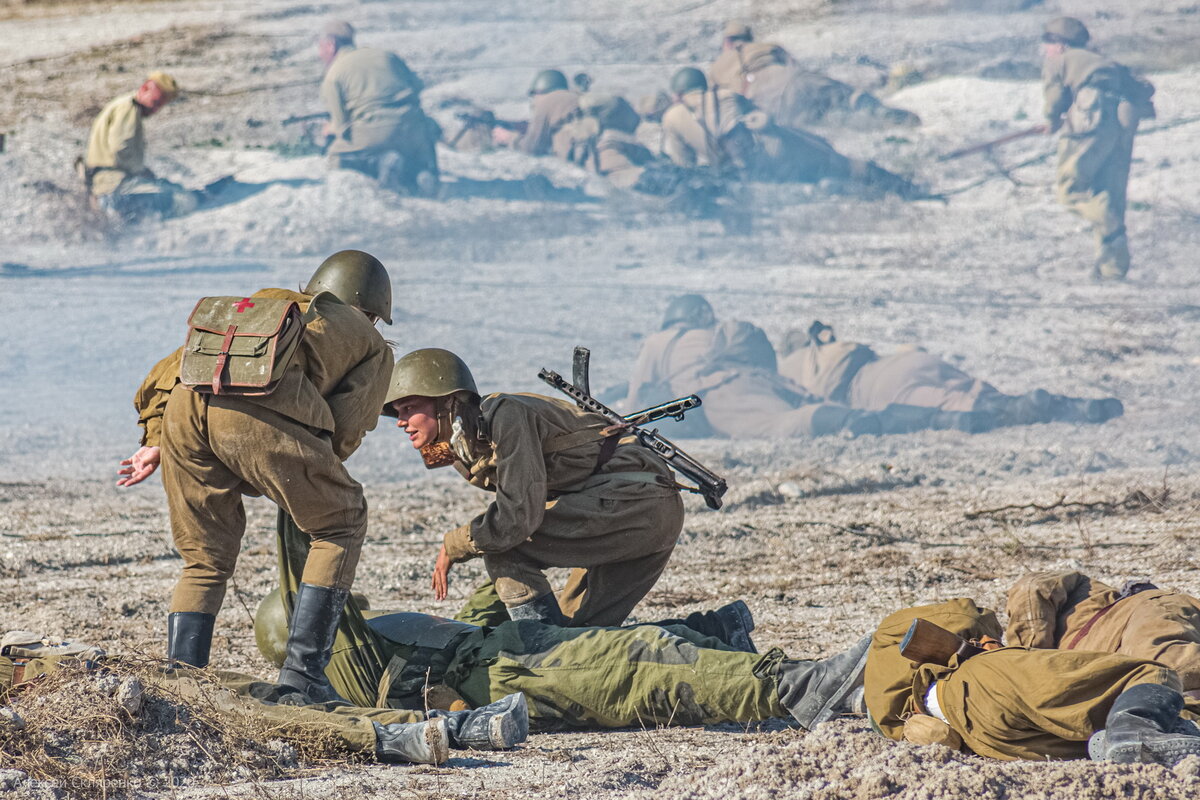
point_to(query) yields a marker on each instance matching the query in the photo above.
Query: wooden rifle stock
(928, 643)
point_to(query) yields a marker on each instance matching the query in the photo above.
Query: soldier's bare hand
(503, 137)
(441, 575)
(139, 466)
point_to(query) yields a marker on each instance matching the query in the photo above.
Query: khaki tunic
(1070, 611)
(1010, 703)
(287, 446)
(616, 525)
(374, 103)
(740, 402)
(621, 158)
(116, 145)
(547, 132)
(1085, 93)
(694, 128)
(794, 97)
(851, 373)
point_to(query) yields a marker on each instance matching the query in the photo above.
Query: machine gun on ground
(708, 484)
(979, 148)
(489, 120)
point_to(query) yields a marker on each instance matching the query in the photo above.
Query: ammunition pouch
(240, 346)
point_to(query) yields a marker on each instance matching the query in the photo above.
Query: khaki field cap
(338, 29)
(1067, 30)
(356, 278)
(165, 82)
(737, 30)
(431, 372)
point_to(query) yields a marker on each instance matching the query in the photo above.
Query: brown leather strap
(1130, 590)
(222, 359)
(607, 448)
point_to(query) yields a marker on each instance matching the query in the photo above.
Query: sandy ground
(822, 538)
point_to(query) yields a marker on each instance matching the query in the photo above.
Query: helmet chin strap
(440, 452)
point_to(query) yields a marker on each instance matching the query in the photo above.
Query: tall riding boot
(965, 421)
(496, 726)
(817, 691)
(543, 609)
(412, 742)
(315, 617)
(901, 418)
(189, 637)
(1092, 411)
(731, 623)
(1144, 726)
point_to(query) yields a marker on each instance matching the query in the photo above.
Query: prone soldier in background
(287, 442)
(855, 375)
(376, 121)
(1097, 104)
(114, 167)
(769, 76)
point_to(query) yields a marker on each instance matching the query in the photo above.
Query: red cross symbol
(243, 304)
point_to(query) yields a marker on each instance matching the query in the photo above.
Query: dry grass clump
(129, 728)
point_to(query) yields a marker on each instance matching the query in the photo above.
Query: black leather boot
(817, 691)
(315, 618)
(189, 638)
(1144, 726)
(496, 726)
(543, 609)
(731, 623)
(412, 742)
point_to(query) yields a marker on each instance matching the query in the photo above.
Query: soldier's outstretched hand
(139, 466)
(441, 574)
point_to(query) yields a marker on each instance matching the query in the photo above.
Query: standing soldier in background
(287, 445)
(375, 115)
(552, 108)
(569, 492)
(794, 97)
(114, 168)
(1097, 103)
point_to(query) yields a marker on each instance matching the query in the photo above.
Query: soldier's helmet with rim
(548, 80)
(271, 628)
(691, 309)
(356, 278)
(1066, 30)
(430, 372)
(688, 79)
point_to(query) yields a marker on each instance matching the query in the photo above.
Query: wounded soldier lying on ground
(393, 736)
(854, 374)
(580, 677)
(1020, 703)
(1070, 611)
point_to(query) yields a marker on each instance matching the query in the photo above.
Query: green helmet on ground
(691, 309)
(688, 79)
(548, 80)
(356, 278)
(271, 628)
(431, 372)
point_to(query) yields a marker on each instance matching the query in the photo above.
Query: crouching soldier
(569, 492)
(114, 167)
(589, 677)
(1023, 703)
(375, 115)
(287, 442)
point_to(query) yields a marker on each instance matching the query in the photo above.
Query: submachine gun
(708, 484)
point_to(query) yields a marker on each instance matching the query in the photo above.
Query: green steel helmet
(271, 628)
(691, 309)
(548, 80)
(356, 278)
(1067, 30)
(688, 79)
(430, 372)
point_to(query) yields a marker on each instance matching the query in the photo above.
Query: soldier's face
(151, 97)
(418, 417)
(1053, 49)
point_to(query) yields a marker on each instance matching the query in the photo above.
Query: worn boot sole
(437, 739)
(743, 625)
(511, 727)
(1167, 751)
